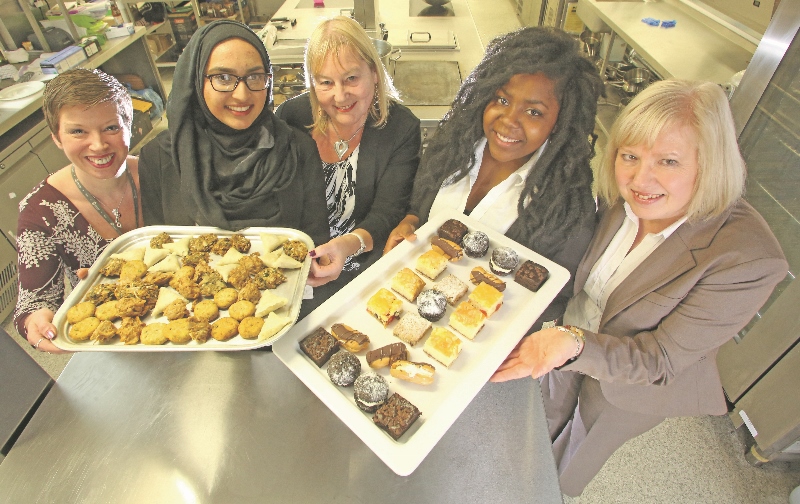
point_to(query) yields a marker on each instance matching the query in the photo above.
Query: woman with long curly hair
(513, 151)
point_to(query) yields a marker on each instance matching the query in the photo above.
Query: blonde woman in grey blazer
(679, 264)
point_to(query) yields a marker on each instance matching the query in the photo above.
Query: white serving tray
(442, 402)
(292, 290)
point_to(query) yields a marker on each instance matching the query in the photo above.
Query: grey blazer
(656, 348)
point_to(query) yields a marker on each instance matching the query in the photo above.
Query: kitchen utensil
(387, 54)
(635, 80)
(591, 43)
(437, 3)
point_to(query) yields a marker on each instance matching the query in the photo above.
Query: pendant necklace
(116, 222)
(342, 146)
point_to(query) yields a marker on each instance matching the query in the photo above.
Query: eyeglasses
(226, 83)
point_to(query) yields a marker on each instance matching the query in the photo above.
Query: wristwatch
(363, 246)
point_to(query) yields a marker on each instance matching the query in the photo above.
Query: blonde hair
(703, 107)
(334, 37)
(80, 86)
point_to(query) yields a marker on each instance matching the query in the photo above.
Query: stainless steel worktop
(694, 49)
(223, 427)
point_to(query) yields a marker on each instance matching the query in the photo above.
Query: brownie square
(453, 230)
(531, 275)
(319, 346)
(396, 416)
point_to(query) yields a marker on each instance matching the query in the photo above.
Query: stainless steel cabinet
(760, 370)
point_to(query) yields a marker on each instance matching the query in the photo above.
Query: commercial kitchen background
(683, 460)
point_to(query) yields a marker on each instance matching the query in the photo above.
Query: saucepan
(635, 80)
(591, 42)
(387, 54)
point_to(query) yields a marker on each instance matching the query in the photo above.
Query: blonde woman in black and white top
(369, 145)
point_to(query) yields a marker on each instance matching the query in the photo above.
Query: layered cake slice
(486, 298)
(467, 319)
(443, 345)
(384, 306)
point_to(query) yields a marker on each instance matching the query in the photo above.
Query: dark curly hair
(559, 186)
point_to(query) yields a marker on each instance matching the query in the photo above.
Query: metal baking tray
(292, 290)
(443, 401)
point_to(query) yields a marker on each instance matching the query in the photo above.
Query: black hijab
(227, 175)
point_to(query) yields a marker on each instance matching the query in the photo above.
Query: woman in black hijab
(226, 160)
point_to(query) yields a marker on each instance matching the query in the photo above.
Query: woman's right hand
(404, 231)
(40, 331)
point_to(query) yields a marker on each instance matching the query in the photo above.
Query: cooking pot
(591, 42)
(386, 53)
(635, 80)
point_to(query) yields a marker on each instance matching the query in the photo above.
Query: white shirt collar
(519, 175)
(665, 233)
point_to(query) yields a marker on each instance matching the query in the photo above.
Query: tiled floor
(682, 461)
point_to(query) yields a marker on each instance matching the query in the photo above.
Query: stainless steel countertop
(691, 50)
(225, 427)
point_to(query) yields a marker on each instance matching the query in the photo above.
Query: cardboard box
(120, 31)
(141, 126)
(63, 60)
(90, 46)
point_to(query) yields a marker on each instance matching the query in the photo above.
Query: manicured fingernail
(312, 253)
(50, 334)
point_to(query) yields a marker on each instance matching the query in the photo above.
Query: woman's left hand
(328, 259)
(536, 355)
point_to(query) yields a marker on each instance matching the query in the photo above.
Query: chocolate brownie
(531, 275)
(396, 416)
(453, 230)
(319, 346)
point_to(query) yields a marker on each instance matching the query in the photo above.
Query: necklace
(116, 223)
(341, 146)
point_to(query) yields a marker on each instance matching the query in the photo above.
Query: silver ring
(36, 346)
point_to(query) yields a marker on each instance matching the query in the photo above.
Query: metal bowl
(437, 3)
(635, 80)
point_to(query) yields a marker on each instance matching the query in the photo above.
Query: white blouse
(498, 209)
(585, 310)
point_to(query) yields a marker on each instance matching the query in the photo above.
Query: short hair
(559, 188)
(704, 108)
(333, 37)
(79, 86)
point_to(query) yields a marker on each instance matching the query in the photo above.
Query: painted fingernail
(50, 334)
(312, 253)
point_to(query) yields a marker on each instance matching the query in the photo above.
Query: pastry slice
(350, 339)
(467, 320)
(154, 255)
(387, 355)
(268, 303)
(478, 275)
(443, 345)
(486, 298)
(408, 284)
(411, 328)
(166, 296)
(384, 306)
(270, 242)
(232, 256)
(420, 373)
(531, 275)
(132, 254)
(396, 416)
(319, 346)
(169, 264)
(431, 263)
(449, 248)
(180, 247)
(452, 288)
(272, 325)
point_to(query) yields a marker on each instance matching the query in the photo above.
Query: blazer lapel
(610, 222)
(671, 259)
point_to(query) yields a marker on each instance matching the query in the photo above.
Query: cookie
(241, 310)
(250, 327)
(206, 310)
(177, 331)
(224, 329)
(154, 334)
(80, 311)
(226, 297)
(83, 330)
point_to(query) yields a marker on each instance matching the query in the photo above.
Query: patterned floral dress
(54, 240)
(340, 192)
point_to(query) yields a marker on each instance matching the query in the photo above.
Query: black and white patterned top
(54, 240)
(340, 193)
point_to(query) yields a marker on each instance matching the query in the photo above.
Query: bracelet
(363, 246)
(580, 338)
